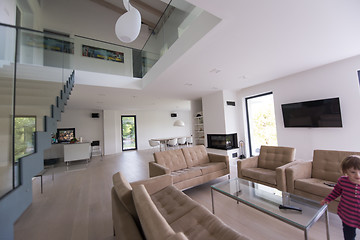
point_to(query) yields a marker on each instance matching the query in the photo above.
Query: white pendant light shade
(127, 27)
(179, 123)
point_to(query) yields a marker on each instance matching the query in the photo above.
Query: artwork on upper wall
(48, 43)
(100, 53)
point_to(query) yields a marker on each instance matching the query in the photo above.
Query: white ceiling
(256, 41)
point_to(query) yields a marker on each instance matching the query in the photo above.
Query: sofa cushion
(207, 168)
(185, 174)
(153, 223)
(195, 155)
(314, 186)
(172, 203)
(172, 159)
(272, 157)
(326, 164)
(199, 223)
(260, 174)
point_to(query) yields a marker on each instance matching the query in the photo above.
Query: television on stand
(64, 135)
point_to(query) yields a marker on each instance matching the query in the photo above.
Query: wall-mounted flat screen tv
(65, 134)
(312, 114)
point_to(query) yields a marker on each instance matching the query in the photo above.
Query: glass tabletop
(268, 200)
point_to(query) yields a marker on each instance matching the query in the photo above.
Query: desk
(164, 140)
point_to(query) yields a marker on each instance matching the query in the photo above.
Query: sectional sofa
(155, 209)
(189, 166)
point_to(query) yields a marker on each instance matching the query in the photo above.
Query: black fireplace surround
(222, 141)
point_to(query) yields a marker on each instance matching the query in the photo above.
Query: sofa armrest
(281, 177)
(300, 170)
(251, 162)
(156, 169)
(219, 158)
(154, 184)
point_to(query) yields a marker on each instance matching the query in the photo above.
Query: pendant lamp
(127, 27)
(179, 123)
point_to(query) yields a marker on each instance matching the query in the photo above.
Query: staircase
(30, 93)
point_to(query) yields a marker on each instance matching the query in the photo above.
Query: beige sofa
(189, 166)
(155, 209)
(307, 178)
(269, 167)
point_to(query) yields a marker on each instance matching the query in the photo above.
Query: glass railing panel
(44, 63)
(102, 57)
(7, 68)
(178, 16)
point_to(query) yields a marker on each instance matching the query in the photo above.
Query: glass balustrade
(177, 17)
(29, 85)
(7, 70)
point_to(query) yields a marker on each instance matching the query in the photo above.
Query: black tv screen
(317, 113)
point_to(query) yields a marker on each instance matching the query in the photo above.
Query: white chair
(172, 143)
(95, 149)
(181, 141)
(189, 140)
(154, 144)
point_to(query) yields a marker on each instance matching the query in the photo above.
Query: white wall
(150, 124)
(338, 79)
(88, 128)
(214, 115)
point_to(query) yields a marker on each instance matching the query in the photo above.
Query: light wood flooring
(76, 205)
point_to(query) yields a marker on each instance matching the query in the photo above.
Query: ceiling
(255, 42)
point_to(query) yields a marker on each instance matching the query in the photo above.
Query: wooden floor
(77, 204)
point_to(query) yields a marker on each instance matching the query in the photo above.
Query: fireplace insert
(222, 141)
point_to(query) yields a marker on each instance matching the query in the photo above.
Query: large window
(128, 132)
(25, 126)
(261, 122)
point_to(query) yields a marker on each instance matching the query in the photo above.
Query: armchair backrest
(271, 157)
(326, 164)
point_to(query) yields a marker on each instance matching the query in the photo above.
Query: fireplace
(222, 141)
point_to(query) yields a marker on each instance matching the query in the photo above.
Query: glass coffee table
(303, 212)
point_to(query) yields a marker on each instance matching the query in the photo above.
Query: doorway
(128, 133)
(261, 122)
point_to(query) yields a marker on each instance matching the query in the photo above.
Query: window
(261, 122)
(25, 126)
(128, 133)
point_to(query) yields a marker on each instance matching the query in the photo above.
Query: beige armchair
(269, 167)
(311, 179)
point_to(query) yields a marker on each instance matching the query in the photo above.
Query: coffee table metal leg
(327, 224)
(212, 201)
(306, 234)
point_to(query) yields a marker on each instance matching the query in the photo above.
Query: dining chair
(153, 144)
(181, 141)
(172, 143)
(189, 141)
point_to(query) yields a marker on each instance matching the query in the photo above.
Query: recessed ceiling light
(188, 84)
(215, 70)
